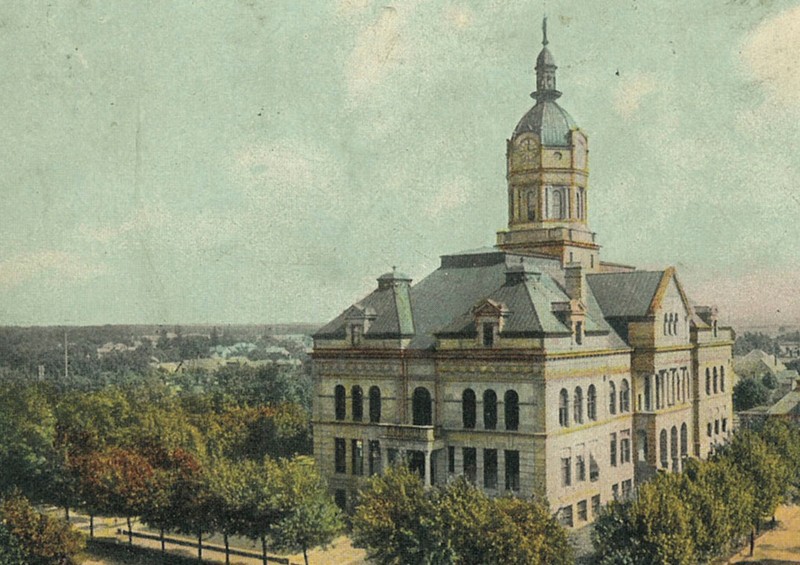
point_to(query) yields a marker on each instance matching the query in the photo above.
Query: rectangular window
(724, 424)
(451, 460)
(625, 450)
(583, 514)
(357, 456)
(374, 457)
(580, 468)
(470, 455)
(391, 456)
(709, 429)
(566, 471)
(488, 334)
(490, 468)
(594, 469)
(595, 505)
(340, 456)
(716, 427)
(627, 489)
(512, 470)
(565, 516)
(615, 491)
(613, 449)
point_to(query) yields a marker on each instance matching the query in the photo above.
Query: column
(427, 468)
(384, 458)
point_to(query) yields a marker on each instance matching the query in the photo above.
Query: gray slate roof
(549, 121)
(442, 302)
(625, 295)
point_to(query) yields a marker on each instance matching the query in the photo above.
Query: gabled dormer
(489, 317)
(358, 319)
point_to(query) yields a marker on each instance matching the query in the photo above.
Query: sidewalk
(780, 546)
(340, 552)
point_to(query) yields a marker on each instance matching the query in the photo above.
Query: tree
(43, 540)
(27, 434)
(115, 482)
(654, 528)
(11, 552)
(763, 472)
(309, 516)
(770, 381)
(748, 393)
(530, 534)
(393, 518)
(784, 439)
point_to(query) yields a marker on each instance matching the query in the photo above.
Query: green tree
(784, 439)
(27, 436)
(43, 540)
(309, 516)
(748, 393)
(11, 552)
(763, 471)
(654, 528)
(393, 518)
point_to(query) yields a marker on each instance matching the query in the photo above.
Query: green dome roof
(549, 121)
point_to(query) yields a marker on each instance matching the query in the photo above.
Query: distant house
(756, 364)
(787, 408)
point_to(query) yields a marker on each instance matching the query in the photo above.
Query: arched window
(715, 380)
(563, 408)
(722, 379)
(339, 402)
(577, 406)
(612, 398)
(675, 325)
(357, 397)
(624, 396)
(489, 410)
(558, 204)
(708, 382)
(531, 206)
(468, 403)
(374, 404)
(684, 441)
(422, 407)
(673, 446)
(511, 406)
(591, 403)
(663, 447)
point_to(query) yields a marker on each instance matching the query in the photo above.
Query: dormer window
(488, 334)
(579, 333)
(355, 335)
(488, 317)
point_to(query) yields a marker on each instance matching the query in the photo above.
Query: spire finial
(544, 31)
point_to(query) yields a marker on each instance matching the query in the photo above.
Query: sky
(259, 161)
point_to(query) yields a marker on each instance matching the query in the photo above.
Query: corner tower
(547, 173)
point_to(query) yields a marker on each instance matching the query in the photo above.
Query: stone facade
(532, 368)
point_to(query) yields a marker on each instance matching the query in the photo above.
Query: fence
(205, 547)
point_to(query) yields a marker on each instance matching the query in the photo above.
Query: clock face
(526, 154)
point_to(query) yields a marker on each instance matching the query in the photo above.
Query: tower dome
(549, 121)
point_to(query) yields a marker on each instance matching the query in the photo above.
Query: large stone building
(531, 366)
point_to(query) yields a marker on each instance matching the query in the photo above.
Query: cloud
(770, 54)
(450, 196)
(460, 17)
(631, 91)
(52, 264)
(380, 48)
(147, 218)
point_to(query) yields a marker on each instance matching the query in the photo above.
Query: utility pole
(66, 356)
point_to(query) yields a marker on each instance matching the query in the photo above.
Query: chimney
(575, 282)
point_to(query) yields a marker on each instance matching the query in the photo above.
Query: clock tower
(547, 173)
